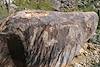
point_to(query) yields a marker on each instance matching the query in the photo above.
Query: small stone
(82, 50)
(77, 65)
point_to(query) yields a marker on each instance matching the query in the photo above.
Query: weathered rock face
(61, 5)
(50, 39)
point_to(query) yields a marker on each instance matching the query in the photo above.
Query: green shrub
(34, 4)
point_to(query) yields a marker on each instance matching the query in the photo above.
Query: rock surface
(50, 39)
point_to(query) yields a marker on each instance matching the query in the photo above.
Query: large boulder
(50, 39)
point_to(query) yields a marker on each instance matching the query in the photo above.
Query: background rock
(63, 5)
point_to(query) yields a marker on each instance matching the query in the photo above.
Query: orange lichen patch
(29, 14)
(36, 14)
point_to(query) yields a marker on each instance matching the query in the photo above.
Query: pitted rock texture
(51, 39)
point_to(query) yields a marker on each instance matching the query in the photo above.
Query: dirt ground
(89, 56)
